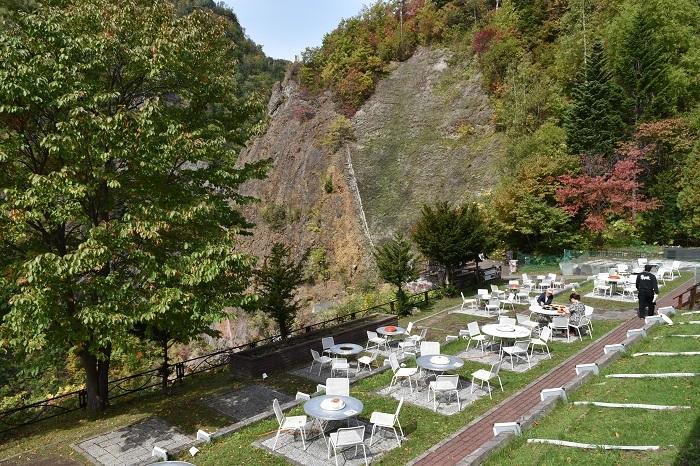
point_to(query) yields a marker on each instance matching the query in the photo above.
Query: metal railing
(168, 375)
(688, 298)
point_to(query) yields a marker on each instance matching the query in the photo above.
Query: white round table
(499, 331)
(547, 312)
(453, 362)
(353, 407)
(398, 331)
(346, 349)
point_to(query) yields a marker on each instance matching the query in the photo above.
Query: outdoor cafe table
(353, 407)
(346, 349)
(396, 333)
(499, 331)
(426, 363)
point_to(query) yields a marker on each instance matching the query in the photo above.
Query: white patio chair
(387, 421)
(483, 375)
(302, 396)
(494, 305)
(366, 361)
(429, 348)
(663, 274)
(642, 261)
(410, 344)
(589, 316)
(622, 269)
(527, 282)
(509, 301)
(482, 295)
(560, 323)
(375, 341)
(513, 284)
(321, 360)
(503, 320)
(471, 302)
(629, 289)
(582, 324)
(522, 296)
(347, 437)
(542, 340)
(602, 287)
(676, 269)
(498, 293)
(517, 351)
(444, 384)
(326, 343)
(286, 424)
(340, 365)
(338, 387)
(525, 321)
(474, 334)
(401, 372)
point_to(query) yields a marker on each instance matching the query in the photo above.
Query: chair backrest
(429, 348)
(642, 261)
(546, 334)
(511, 297)
(371, 335)
(494, 302)
(315, 355)
(494, 288)
(676, 264)
(588, 311)
(423, 333)
(622, 268)
(560, 322)
(302, 396)
(398, 409)
(394, 362)
(327, 342)
(463, 298)
(522, 344)
(473, 329)
(338, 387)
(482, 292)
(448, 381)
(602, 276)
(525, 277)
(348, 436)
(409, 327)
(278, 411)
(513, 282)
(503, 320)
(552, 276)
(495, 368)
(522, 318)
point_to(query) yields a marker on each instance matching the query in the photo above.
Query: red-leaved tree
(615, 194)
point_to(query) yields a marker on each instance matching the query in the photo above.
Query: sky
(285, 28)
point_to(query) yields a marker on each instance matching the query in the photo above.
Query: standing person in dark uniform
(647, 290)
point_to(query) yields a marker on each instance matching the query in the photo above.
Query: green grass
(677, 432)
(607, 304)
(424, 428)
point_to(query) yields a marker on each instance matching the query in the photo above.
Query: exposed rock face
(425, 135)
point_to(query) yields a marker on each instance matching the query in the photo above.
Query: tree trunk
(96, 378)
(476, 271)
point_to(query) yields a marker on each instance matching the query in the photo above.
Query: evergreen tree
(396, 264)
(595, 122)
(276, 284)
(643, 70)
(450, 235)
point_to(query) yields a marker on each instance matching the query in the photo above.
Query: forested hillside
(596, 102)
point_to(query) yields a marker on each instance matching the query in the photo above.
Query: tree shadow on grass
(690, 449)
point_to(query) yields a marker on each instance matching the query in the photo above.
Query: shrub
(274, 215)
(328, 184)
(317, 266)
(339, 132)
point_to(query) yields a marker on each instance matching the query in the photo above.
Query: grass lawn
(423, 427)
(610, 305)
(677, 432)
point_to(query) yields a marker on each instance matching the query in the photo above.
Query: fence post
(680, 301)
(691, 300)
(391, 305)
(82, 398)
(425, 296)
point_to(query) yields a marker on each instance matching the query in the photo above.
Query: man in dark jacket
(647, 290)
(545, 299)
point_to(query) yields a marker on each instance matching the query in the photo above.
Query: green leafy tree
(396, 264)
(451, 235)
(276, 285)
(119, 132)
(596, 120)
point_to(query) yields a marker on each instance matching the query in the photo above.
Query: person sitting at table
(545, 299)
(576, 309)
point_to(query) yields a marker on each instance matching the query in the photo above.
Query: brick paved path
(474, 435)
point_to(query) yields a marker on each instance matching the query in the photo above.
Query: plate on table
(390, 329)
(332, 404)
(440, 360)
(505, 328)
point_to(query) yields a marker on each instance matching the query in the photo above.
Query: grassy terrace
(677, 432)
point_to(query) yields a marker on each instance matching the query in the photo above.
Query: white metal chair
(321, 360)
(676, 268)
(622, 269)
(338, 387)
(474, 334)
(429, 348)
(553, 280)
(509, 301)
(527, 282)
(494, 305)
(642, 261)
(582, 323)
(444, 384)
(482, 295)
(629, 289)
(602, 287)
(366, 361)
(327, 342)
(387, 421)
(347, 437)
(522, 296)
(525, 321)
(376, 341)
(401, 372)
(542, 340)
(483, 375)
(292, 423)
(498, 293)
(471, 302)
(302, 396)
(340, 365)
(589, 315)
(517, 351)
(560, 323)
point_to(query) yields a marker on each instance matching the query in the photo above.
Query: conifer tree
(396, 264)
(595, 122)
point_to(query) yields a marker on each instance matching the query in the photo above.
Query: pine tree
(396, 264)
(643, 71)
(595, 122)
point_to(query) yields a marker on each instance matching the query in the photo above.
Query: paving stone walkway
(246, 402)
(289, 446)
(132, 445)
(446, 404)
(465, 442)
(491, 356)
